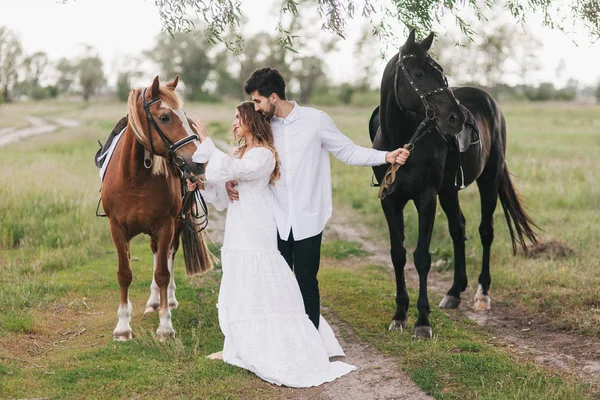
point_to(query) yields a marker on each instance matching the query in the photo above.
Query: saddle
(101, 153)
(469, 134)
(461, 142)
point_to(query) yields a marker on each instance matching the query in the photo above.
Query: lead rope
(390, 175)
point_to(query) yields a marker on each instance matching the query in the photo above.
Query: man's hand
(397, 156)
(232, 192)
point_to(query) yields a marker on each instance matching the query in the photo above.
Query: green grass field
(59, 294)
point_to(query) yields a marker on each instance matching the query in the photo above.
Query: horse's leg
(488, 192)
(394, 214)
(456, 226)
(426, 204)
(124, 276)
(162, 276)
(153, 301)
(173, 303)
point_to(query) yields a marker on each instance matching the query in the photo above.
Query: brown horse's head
(421, 86)
(159, 122)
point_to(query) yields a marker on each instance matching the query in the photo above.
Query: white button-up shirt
(303, 141)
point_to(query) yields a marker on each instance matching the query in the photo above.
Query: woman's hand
(199, 127)
(191, 186)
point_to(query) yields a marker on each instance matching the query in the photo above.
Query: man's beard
(269, 114)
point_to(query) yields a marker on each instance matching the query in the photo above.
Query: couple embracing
(277, 187)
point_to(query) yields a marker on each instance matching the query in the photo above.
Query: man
(304, 137)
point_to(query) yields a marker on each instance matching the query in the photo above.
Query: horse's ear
(155, 86)
(428, 41)
(410, 41)
(173, 85)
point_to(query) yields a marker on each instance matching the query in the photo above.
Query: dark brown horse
(142, 193)
(458, 136)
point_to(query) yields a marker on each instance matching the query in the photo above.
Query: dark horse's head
(161, 126)
(420, 86)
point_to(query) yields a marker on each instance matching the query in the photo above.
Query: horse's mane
(171, 99)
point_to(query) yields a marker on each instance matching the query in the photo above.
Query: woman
(261, 312)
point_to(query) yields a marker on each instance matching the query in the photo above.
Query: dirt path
(377, 377)
(530, 336)
(38, 126)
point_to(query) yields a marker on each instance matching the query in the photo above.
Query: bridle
(171, 147)
(430, 116)
(426, 125)
(192, 203)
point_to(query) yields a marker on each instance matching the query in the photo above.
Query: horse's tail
(520, 225)
(195, 252)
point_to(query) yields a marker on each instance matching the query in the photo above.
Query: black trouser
(303, 257)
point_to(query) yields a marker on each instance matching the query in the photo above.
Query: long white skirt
(261, 314)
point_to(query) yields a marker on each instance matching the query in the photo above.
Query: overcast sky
(121, 28)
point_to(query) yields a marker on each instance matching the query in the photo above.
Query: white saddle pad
(106, 156)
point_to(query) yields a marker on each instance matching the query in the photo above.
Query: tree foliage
(90, 74)
(224, 16)
(66, 74)
(11, 53)
(187, 56)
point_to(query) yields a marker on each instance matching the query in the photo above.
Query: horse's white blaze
(186, 125)
(124, 314)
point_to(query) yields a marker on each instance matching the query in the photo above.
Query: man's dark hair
(266, 81)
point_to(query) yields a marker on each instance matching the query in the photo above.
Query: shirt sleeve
(216, 194)
(255, 164)
(345, 149)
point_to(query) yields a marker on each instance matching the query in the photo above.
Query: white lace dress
(261, 312)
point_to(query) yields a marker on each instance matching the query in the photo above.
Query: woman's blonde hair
(257, 125)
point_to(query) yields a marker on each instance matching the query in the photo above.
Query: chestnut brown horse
(142, 193)
(457, 136)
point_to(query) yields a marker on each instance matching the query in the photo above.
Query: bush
(204, 97)
(366, 99)
(544, 92)
(123, 86)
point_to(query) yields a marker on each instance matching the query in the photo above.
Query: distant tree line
(23, 74)
(209, 71)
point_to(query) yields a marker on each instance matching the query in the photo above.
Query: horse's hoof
(450, 302)
(424, 332)
(121, 336)
(396, 325)
(165, 334)
(483, 302)
(173, 305)
(150, 308)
